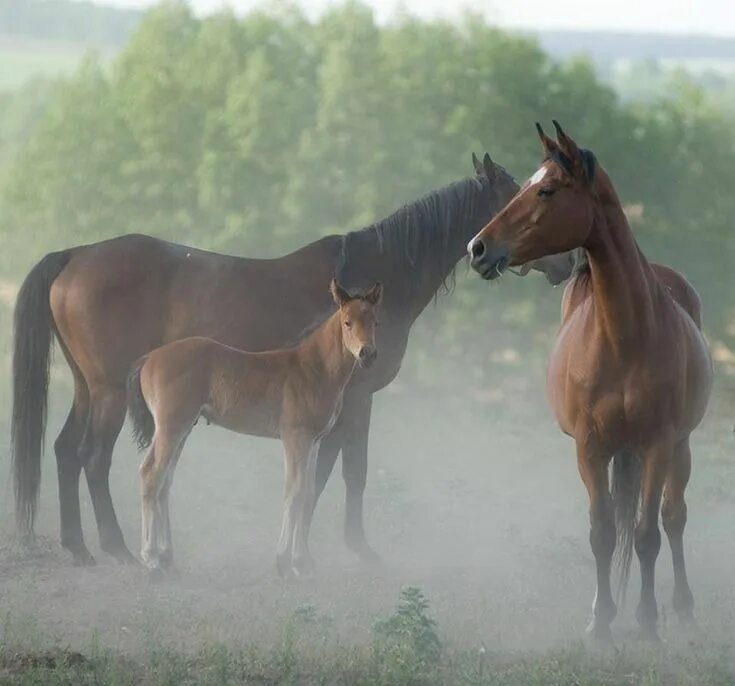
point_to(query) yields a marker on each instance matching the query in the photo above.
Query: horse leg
(656, 463)
(354, 472)
(329, 449)
(674, 515)
(297, 447)
(106, 417)
(593, 470)
(69, 467)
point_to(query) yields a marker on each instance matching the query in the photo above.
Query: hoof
(121, 554)
(649, 635)
(155, 574)
(83, 559)
(599, 635)
(283, 565)
(303, 566)
(365, 554)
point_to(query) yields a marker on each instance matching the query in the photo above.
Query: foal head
(552, 212)
(358, 318)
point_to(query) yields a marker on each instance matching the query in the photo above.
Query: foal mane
(422, 236)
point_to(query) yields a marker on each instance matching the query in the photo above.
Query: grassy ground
(404, 648)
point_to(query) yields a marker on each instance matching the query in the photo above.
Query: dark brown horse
(112, 302)
(630, 373)
(294, 394)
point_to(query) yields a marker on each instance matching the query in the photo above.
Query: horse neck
(412, 281)
(325, 351)
(624, 287)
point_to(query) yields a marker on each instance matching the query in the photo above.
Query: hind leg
(69, 467)
(106, 417)
(674, 514)
(656, 464)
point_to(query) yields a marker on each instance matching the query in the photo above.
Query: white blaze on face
(538, 176)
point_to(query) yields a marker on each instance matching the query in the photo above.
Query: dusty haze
(474, 498)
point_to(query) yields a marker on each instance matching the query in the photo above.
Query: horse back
(119, 299)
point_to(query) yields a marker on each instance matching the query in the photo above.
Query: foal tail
(33, 329)
(626, 494)
(140, 414)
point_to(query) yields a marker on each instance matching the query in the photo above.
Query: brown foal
(630, 373)
(294, 394)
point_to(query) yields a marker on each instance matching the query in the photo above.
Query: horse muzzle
(489, 260)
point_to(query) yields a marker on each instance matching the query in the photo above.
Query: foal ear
(550, 146)
(375, 295)
(340, 295)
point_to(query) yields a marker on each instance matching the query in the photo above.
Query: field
(476, 502)
(25, 58)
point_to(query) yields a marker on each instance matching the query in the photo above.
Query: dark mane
(423, 236)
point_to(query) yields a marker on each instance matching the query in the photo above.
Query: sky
(714, 17)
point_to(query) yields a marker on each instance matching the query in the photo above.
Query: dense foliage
(257, 135)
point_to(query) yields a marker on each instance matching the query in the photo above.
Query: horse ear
(489, 166)
(340, 295)
(550, 146)
(375, 294)
(477, 166)
(582, 161)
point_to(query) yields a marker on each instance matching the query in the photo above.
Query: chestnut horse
(294, 394)
(630, 373)
(112, 302)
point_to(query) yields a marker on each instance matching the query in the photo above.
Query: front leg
(592, 464)
(301, 448)
(356, 417)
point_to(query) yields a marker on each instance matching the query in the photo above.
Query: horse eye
(348, 324)
(546, 192)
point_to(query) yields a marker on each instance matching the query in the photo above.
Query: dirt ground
(477, 503)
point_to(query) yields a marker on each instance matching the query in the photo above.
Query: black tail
(626, 494)
(140, 414)
(33, 331)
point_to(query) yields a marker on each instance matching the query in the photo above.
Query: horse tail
(33, 335)
(140, 413)
(626, 494)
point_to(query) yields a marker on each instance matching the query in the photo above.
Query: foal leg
(593, 470)
(107, 414)
(154, 471)
(354, 472)
(298, 446)
(674, 513)
(656, 463)
(167, 548)
(302, 560)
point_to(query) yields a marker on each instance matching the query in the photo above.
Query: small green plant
(406, 646)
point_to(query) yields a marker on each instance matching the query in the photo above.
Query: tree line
(256, 135)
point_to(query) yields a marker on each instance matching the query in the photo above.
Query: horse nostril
(477, 248)
(368, 354)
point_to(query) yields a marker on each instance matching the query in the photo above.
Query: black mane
(424, 235)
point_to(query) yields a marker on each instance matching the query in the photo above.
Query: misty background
(259, 130)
